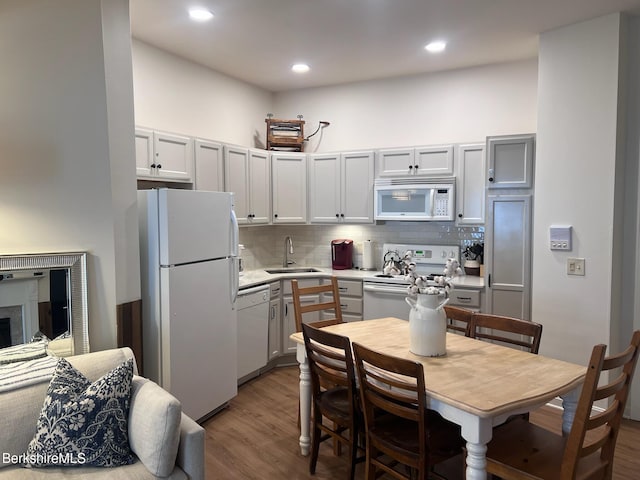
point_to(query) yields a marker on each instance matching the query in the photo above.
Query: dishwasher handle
(380, 289)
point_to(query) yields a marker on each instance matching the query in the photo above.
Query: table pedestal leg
(569, 406)
(476, 461)
(305, 407)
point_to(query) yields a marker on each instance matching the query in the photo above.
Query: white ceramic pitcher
(427, 325)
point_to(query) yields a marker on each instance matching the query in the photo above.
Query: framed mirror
(45, 294)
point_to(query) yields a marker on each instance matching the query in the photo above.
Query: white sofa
(157, 428)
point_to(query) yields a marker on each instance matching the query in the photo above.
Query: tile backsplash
(264, 245)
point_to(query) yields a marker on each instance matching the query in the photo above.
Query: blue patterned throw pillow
(83, 423)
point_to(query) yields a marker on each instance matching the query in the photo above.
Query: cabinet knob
(337, 215)
(275, 215)
(410, 167)
(153, 165)
(459, 215)
(415, 166)
(342, 215)
(158, 166)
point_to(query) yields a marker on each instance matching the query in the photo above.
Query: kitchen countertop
(252, 278)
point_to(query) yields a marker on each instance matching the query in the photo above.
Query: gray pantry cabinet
(508, 229)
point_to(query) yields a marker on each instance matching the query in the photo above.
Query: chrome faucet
(288, 249)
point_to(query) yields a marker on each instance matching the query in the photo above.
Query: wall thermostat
(560, 237)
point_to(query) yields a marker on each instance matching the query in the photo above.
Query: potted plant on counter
(473, 255)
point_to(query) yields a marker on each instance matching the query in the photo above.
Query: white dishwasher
(252, 306)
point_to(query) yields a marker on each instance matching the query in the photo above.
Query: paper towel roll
(368, 261)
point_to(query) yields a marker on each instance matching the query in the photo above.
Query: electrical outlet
(575, 266)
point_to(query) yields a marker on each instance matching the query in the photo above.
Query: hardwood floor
(257, 437)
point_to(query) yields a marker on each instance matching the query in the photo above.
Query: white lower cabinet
(467, 298)
(350, 300)
(275, 323)
(288, 315)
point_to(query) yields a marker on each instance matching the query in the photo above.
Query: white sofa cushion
(154, 426)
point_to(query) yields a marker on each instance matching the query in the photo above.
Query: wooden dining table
(476, 385)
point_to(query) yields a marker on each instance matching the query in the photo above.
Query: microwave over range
(414, 199)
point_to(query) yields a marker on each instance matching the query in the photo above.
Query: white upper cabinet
(289, 187)
(341, 187)
(357, 174)
(163, 156)
(144, 153)
(173, 156)
(470, 161)
(324, 188)
(430, 161)
(247, 176)
(259, 186)
(434, 161)
(395, 162)
(209, 170)
(510, 161)
(236, 180)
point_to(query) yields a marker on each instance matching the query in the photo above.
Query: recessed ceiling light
(436, 47)
(300, 68)
(200, 14)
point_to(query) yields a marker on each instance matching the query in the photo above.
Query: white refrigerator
(189, 277)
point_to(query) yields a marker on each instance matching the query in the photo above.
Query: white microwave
(414, 199)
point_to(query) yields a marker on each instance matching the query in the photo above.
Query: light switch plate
(575, 266)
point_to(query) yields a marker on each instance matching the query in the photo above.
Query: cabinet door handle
(489, 277)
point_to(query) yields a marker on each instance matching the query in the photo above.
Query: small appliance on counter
(341, 254)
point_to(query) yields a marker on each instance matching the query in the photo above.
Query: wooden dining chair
(333, 304)
(399, 427)
(458, 319)
(506, 330)
(331, 363)
(522, 450)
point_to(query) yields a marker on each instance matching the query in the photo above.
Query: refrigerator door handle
(235, 234)
(234, 275)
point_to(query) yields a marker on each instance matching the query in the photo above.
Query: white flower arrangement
(440, 284)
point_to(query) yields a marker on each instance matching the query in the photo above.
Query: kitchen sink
(292, 270)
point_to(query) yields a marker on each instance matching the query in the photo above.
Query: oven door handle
(378, 289)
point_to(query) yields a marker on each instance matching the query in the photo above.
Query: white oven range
(384, 295)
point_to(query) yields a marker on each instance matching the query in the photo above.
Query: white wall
(179, 96)
(576, 164)
(55, 183)
(454, 106)
(119, 88)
